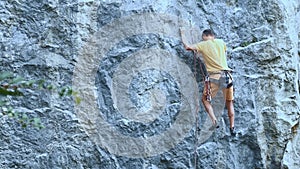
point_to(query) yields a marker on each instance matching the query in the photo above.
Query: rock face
(141, 89)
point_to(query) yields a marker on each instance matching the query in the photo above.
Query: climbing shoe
(214, 126)
(232, 131)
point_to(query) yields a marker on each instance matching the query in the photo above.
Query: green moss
(244, 44)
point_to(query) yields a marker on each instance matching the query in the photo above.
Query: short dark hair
(208, 32)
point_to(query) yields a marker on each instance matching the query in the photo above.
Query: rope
(204, 78)
(197, 106)
(196, 113)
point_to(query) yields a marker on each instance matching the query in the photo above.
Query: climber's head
(208, 34)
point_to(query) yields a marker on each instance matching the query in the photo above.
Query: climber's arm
(184, 41)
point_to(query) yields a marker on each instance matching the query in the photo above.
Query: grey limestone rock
(140, 87)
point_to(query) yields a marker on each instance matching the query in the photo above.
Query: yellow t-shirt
(213, 52)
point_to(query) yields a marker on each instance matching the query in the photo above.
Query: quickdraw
(228, 79)
(207, 87)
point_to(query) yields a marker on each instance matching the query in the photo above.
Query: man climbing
(213, 52)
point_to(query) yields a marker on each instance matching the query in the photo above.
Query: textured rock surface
(61, 40)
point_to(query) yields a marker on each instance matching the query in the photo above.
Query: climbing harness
(225, 80)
